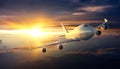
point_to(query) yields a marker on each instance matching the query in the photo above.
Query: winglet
(63, 27)
(105, 20)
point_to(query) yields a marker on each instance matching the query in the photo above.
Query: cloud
(6, 51)
(78, 13)
(7, 16)
(98, 52)
(13, 50)
(90, 9)
(62, 10)
(94, 8)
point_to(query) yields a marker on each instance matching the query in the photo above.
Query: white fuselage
(82, 32)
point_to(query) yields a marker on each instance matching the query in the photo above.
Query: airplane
(81, 32)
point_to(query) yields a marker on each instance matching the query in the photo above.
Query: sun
(35, 32)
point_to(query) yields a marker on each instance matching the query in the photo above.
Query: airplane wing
(103, 26)
(43, 47)
(58, 42)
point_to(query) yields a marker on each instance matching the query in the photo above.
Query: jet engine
(60, 46)
(103, 27)
(98, 32)
(44, 50)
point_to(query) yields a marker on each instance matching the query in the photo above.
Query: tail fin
(63, 27)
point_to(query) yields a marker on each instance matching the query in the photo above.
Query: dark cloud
(50, 5)
(107, 51)
(101, 52)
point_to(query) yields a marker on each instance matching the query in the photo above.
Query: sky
(101, 52)
(47, 12)
(19, 17)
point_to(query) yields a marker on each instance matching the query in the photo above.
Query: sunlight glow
(35, 32)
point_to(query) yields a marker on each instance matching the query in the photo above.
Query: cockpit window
(85, 25)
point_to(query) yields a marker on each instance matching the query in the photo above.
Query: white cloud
(78, 13)
(90, 9)
(94, 8)
(6, 16)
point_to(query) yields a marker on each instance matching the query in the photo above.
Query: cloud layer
(107, 51)
(55, 11)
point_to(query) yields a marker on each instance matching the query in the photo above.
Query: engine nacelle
(44, 50)
(60, 46)
(103, 27)
(98, 32)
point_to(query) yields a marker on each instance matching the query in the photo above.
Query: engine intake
(44, 50)
(60, 47)
(98, 32)
(105, 27)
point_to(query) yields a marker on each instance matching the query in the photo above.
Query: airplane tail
(63, 27)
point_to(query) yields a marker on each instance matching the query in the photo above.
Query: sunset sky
(35, 23)
(26, 13)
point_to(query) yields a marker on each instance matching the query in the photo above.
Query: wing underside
(102, 26)
(58, 42)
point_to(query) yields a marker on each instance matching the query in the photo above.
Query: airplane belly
(84, 36)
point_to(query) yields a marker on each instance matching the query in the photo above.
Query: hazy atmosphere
(26, 24)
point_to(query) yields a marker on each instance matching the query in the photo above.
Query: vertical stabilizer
(63, 27)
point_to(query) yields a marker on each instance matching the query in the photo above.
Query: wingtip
(105, 20)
